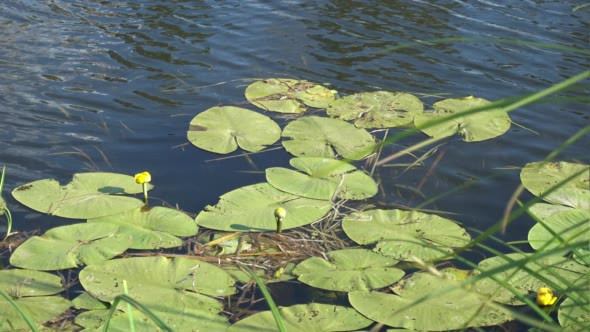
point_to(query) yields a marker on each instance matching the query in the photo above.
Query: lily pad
(544, 210)
(558, 271)
(314, 136)
(305, 317)
(288, 95)
(223, 129)
(573, 226)
(176, 290)
(349, 270)
(39, 308)
(89, 195)
(251, 208)
(323, 179)
(406, 235)
(89, 302)
(378, 109)
(70, 246)
(23, 283)
(573, 315)
(473, 127)
(538, 177)
(152, 228)
(456, 309)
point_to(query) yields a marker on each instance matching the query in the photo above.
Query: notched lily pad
(23, 283)
(152, 228)
(324, 178)
(572, 226)
(410, 308)
(314, 136)
(288, 95)
(88, 195)
(406, 235)
(251, 208)
(378, 109)
(473, 127)
(305, 317)
(539, 177)
(223, 129)
(349, 270)
(70, 246)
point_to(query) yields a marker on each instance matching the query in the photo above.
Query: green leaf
(152, 228)
(223, 129)
(305, 317)
(558, 271)
(349, 270)
(251, 208)
(40, 309)
(288, 95)
(473, 127)
(314, 136)
(70, 246)
(89, 195)
(538, 177)
(456, 309)
(89, 302)
(574, 316)
(405, 235)
(22, 283)
(378, 109)
(572, 226)
(177, 290)
(323, 179)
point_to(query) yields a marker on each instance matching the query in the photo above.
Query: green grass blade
(268, 298)
(23, 314)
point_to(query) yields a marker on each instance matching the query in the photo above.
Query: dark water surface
(112, 85)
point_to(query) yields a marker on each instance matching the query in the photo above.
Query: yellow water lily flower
(545, 297)
(143, 177)
(280, 214)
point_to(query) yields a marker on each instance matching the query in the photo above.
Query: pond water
(112, 86)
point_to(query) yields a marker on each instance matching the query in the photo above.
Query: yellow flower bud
(545, 297)
(280, 213)
(143, 177)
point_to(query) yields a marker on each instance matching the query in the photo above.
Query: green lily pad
(474, 127)
(152, 228)
(324, 179)
(378, 109)
(406, 235)
(554, 270)
(573, 226)
(456, 309)
(251, 208)
(349, 270)
(177, 290)
(89, 302)
(582, 256)
(314, 136)
(305, 317)
(223, 129)
(573, 315)
(70, 246)
(89, 195)
(92, 320)
(288, 95)
(544, 210)
(39, 308)
(23, 283)
(538, 177)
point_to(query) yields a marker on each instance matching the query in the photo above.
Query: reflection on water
(112, 84)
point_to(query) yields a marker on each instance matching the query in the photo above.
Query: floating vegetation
(88, 195)
(314, 136)
(223, 129)
(288, 95)
(305, 223)
(475, 127)
(379, 109)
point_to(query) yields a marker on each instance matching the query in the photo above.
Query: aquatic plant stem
(145, 194)
(271, 303)
(129, 308)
